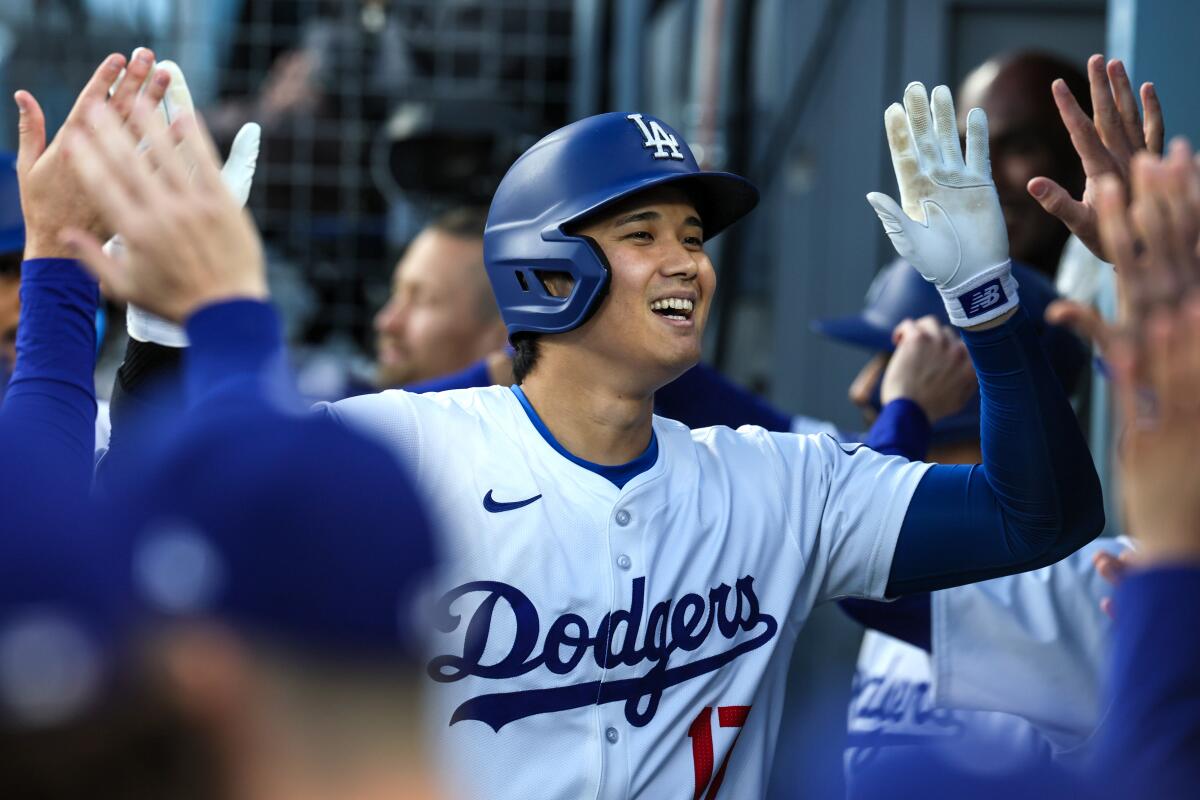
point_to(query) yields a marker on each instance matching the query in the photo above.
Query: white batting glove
(238, 176)
(951, 227)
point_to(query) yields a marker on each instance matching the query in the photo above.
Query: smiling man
(625, 592)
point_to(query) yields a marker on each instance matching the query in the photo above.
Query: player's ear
(558, 284)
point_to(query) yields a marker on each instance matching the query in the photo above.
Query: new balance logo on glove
(982, 298)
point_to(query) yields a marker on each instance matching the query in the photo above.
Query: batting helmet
(12, 224)
(570, 174)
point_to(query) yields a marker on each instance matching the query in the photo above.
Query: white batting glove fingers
(948, 223)
(238, 171)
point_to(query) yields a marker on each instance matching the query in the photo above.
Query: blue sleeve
(906, 619)
(901, 429)
(1034, 500)
(474, 376)
(49, 411)
(236, 354)
(1149, 742)
(703, 397)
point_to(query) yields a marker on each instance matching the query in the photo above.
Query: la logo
(654, 135)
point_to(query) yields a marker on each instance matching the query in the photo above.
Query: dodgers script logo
(670, 627)
(654, 135)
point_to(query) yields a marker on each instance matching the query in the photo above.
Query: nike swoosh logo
(496, 507)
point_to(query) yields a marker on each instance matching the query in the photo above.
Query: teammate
(265, 676)
(983, 646)
(441, 316)
(625, 592)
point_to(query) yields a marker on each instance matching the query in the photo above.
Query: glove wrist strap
(982, 298)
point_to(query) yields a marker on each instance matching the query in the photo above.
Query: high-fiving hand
(237, 173)
(188, 242)
(51, 196)
(1155, 350)
(951, 227)
(1106, 144)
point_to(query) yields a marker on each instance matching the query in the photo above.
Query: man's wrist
(1181, 549)
(994, 323)
(43, 246)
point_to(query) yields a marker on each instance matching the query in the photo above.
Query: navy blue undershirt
(618, 475)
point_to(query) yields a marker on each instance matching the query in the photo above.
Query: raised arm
(50, 408)
(1036, 497)
(1147, 745)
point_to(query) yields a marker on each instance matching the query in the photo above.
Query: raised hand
(188, 242)
(237, 173)
(930, 367)
(51, 196)
(1106, 144)
(1155, 352)
(951, 227)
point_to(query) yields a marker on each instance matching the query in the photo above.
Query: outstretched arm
(1036, 497)
(50, 408)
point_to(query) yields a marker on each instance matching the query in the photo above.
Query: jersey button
(623, 518)
(612, 735)
(624, 561)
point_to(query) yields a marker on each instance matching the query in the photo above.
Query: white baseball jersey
(605, 642)
(1016, 671)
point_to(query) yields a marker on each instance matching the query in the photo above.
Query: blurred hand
(1106, 144)
(930, 367)
(188, 242)
(1112, 569)
(238, 174)
(51, 197)
(1155, 352)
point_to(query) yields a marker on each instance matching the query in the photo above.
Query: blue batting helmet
(12, 224)
(570, 174)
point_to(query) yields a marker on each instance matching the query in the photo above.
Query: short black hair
(525, 355)
(465, 222)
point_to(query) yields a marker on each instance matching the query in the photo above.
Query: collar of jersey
(618, 475)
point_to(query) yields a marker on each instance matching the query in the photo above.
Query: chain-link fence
(374, 114)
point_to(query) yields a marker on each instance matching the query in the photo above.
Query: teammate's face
(440, 317)
(1026, 139)
(661, 287)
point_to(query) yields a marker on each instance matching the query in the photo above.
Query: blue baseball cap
(291, 527)
(899, 292)
(288, 529)
(62, 603)
(12, 223)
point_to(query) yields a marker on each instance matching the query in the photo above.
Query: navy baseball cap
(12, 223)
(290, 527)
(62, 602)
(899, 292)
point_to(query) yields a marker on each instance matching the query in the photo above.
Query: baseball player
(625, 592)
(935, 670)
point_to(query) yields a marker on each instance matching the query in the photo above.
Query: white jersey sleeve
(1031, 644)
(848, 504)
(388, 417)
